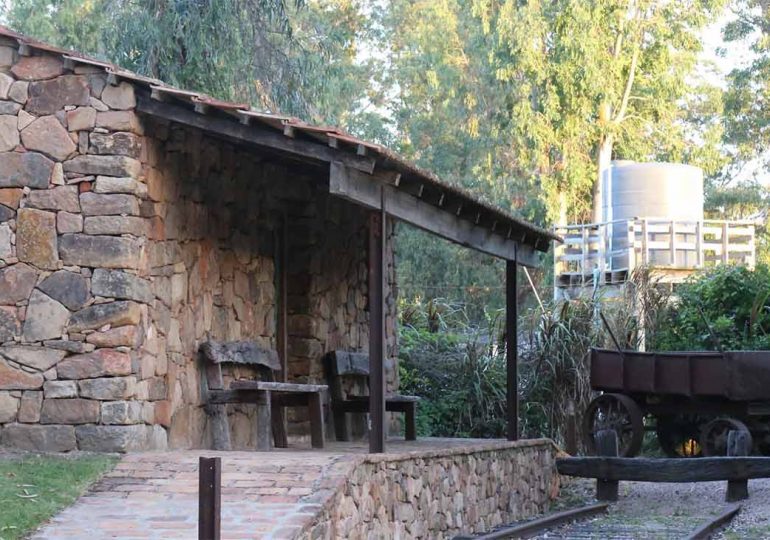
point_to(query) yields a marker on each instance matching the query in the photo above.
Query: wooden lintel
(252, 134)
(364, 189)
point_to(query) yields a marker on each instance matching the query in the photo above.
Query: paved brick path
(267, 495)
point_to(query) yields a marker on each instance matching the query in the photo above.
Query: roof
(409, 176)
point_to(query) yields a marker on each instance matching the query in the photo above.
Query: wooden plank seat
(341, 365)
(269, 395)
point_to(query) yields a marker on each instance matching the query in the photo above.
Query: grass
(34, 488)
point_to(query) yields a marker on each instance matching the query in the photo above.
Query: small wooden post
(209, 497)
(511, 351)
(377, 277)
(737, 446)
(570, 432)
(607, 445)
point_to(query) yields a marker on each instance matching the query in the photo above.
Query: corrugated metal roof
(533, 235)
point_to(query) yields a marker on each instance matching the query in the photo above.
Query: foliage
(733, 299)
(281, 55)
(32, 489)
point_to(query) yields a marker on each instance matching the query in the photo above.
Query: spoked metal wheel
(678, 435)
(713, 436)
(619, 413)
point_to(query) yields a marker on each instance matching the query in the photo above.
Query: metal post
(511, 350)
(209, 497)
(377, 221)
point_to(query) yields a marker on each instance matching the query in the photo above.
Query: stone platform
(431, 488)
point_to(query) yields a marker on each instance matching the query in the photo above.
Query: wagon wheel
(678, 435)
(713, 436)
(619, 413)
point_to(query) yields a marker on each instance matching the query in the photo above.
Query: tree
(288, 56)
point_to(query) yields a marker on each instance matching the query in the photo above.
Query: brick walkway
(267, 495)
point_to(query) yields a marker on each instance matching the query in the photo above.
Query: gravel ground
(648, 510)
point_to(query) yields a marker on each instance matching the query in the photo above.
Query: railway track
(590, 523)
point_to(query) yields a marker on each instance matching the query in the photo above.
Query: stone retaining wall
(126, 241)
(440, 494)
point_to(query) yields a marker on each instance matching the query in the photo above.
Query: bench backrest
(341, 364)
(249, 353)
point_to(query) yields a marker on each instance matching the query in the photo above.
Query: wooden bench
(344, 364)
(269, 396)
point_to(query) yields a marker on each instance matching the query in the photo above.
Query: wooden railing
(610, 251)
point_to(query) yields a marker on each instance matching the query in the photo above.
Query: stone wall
(440, 494)
(126, 241)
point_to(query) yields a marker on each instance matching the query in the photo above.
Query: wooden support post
(278, 418)
(209, 497)
(737, 446)
(512, 350)
(265, 423)
(570, 431)
(377, 329)
(607, 445)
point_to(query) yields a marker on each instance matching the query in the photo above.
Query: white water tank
(671, 191)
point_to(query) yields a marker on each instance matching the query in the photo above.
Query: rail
(610, 251)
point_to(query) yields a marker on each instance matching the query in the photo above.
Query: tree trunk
(603, 163)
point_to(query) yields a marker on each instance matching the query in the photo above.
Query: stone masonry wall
(125, 242)
(440, 494)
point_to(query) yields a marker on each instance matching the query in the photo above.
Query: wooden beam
(209, 498)
(364, 189)
(251, 134)
(666, 469)
(377, 347)
(511, 350)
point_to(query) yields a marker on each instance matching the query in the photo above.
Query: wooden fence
(610, 251)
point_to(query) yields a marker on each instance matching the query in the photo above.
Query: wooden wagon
(691, 400)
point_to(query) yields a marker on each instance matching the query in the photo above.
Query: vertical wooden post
(607, 445)
(512, 350)
(699, 244)
(278, 415)
(672, 246)
(570, 430)
(725, 243)
(377, 328)
(209, 497)
(737, 446)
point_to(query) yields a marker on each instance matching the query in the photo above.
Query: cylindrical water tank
(668, 191)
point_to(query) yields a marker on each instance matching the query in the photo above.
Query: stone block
(119, 438)
(120, 96)
(9, 407)
(121, 285)
(123, 336)
(30, 407)
(69, 223)
(76, 347)
(118, 121)
(38, 358)
(100, 363)
(163, 412)
(121, 412)
(5, 85)
(6, 214)
(157, 389)
(10, 197)
(10, 325)
(9, 107)
(36, 238)
(49, 97)
(33, 68)
(113, 204)
(118, 313)
(59, 198)
(7, 56)
(115, 225)
(28, 169)
(9, 132)
(6, 249)
(19, 92)
(68, 288)
(60, 389)
(121, 143)
(81, 118)
(69, 411)
(110, 184)
(37, 438)
(104, 165)
(46, 318)
(48, 136)
(108, 388)
(16, 283)
(101, 251)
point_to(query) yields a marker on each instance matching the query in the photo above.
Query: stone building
(138, 220)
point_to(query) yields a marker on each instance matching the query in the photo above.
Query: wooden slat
(278, 387)
(667, 469)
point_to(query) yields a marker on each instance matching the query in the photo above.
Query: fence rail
(610, 251)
